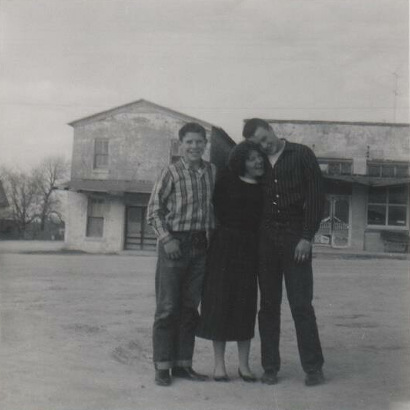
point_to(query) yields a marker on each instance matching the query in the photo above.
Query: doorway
(138, 234)
(335, 226)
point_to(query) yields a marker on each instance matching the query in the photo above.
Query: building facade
(366, 171)
(117, 156)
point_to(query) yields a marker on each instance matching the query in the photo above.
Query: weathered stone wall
(139, 145)
(336, 140)
(76, 225)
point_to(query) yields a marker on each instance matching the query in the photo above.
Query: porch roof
(368, 180)
(114, 187)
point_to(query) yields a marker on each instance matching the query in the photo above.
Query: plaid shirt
(182, 200)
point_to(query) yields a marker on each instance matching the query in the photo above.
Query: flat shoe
(247, 378)
(221, 378)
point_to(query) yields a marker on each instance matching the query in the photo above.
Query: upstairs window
(336, 166)
(388, 170)
(95, 218)
(174, 154)
(101, 153)
(388, 206)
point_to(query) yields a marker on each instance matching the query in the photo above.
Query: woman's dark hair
(239, 155)
(192, 127)
(252, 125)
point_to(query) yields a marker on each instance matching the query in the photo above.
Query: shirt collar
(186, 165)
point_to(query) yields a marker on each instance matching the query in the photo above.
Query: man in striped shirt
(180, 211)
(293, 207)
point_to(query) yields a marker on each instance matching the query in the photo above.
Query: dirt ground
(75, 334)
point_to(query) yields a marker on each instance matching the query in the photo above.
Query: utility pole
(395, 92)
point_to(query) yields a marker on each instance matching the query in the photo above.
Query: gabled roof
(140, 103)
(3, 198)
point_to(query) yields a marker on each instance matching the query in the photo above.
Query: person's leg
(168, 299)
(270, 285)
(245, 372)
(219, 360)
(299, 287)
(191, 296)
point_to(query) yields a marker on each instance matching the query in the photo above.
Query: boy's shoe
(314, 379)
(188, 373)
(270, 377)
(162, 377)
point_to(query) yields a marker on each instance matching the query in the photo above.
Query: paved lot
(75, 335)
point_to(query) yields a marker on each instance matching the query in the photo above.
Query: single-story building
(366, 171)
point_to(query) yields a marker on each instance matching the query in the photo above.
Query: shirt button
(275, 203)
(276, 181)
(277, 195)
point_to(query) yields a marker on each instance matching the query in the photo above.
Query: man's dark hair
(240, 154)
(191, 127)
(252, 125)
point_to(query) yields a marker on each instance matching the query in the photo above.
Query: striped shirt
(294, 190)
(182, 200)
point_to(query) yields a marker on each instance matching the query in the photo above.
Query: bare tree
(47, 175)
(23, 197)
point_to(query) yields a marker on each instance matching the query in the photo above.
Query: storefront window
(387, 206)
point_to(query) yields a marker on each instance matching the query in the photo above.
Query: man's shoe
(188, 373)
(270, 377)
(313, 379)
(162, 377)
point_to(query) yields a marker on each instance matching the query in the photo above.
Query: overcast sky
(217, 60)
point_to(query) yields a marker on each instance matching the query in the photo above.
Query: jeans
(277, 247)
(178, 287)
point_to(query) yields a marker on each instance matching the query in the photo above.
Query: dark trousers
(277, 247)
(178, 287)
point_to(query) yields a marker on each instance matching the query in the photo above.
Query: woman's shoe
(247, 378)
(221, 378)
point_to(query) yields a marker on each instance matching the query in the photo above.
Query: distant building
(366, 170)
(117, 156)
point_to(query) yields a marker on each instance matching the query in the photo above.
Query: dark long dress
(228, 306)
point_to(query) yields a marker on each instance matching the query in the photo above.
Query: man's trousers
(277, 248)
(178, 287)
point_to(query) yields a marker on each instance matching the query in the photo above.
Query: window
(101, 153)
(175, 155)
(388, 170)
(387, 206)
(95, 218)
(336, 166)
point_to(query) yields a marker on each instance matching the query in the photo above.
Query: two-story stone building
(366, 170)
(117, 156)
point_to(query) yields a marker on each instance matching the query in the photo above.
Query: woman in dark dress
(228, 306)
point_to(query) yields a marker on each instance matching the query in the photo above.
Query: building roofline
(225, 135)
(387, 124)
(103, 114)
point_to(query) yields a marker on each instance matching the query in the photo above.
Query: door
(138, 234)
(335, 226)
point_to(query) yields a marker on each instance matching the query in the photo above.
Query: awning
(112, 187)
(368, 180)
